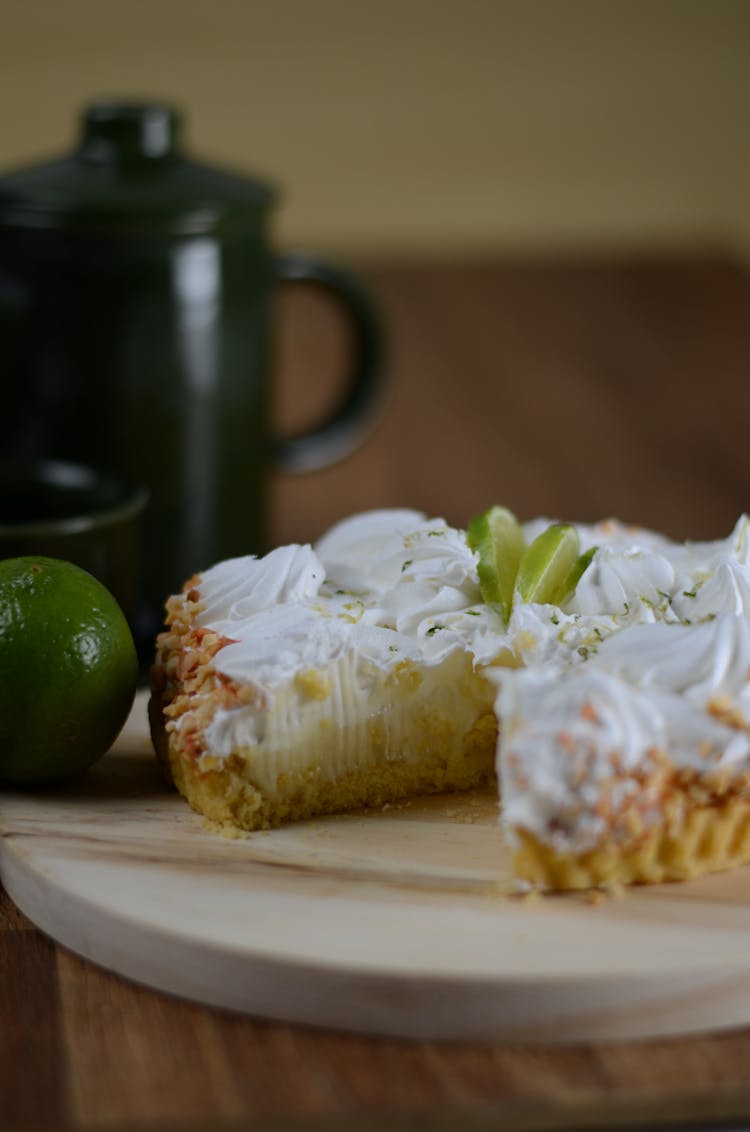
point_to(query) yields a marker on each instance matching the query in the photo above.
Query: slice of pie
(370, 668)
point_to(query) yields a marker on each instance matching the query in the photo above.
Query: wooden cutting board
(392, 922)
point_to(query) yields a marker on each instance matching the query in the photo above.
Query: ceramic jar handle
(345, 427)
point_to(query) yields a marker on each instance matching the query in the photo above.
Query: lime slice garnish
(497, 538)
(547, 565)
(579, 567)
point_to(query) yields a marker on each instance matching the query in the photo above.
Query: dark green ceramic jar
(136, 328)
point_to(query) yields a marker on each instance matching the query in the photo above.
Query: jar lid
(128, 174)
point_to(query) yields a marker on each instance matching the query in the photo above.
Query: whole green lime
(68, 670)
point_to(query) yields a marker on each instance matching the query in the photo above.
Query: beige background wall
(411, 126)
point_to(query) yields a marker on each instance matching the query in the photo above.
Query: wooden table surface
(573, 390)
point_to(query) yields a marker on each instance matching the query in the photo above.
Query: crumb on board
(225, 830)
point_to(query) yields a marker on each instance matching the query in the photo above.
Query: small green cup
(74, 512)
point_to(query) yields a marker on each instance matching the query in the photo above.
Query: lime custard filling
(601, 643)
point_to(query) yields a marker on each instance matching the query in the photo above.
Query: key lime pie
(600, 672)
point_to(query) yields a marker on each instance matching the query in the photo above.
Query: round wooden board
(393, 922)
